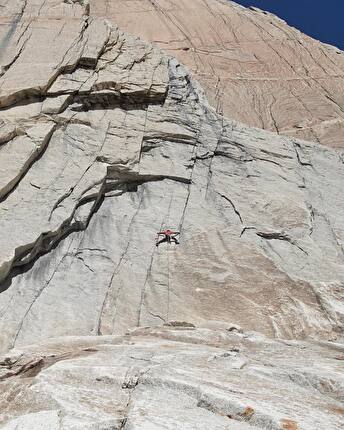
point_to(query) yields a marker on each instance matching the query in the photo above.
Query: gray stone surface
(104, 141)
(173, 378)
(253, 67)
(131, 147)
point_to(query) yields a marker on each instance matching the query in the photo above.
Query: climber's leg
(164, 239)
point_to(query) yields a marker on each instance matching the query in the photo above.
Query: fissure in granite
(111, 140)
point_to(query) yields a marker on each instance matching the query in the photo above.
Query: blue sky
(321, 19)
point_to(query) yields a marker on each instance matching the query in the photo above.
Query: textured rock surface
(254, 67)
(115, 141)
(173, 378)
(104, 141)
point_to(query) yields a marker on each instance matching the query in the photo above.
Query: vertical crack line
(6, 39)
(185, 207)
(36, 156)
(115, 272)
(16, 56)
(172, 19)
(333, 232)
(270, 107)
(210, 172)
(99, 331)
(39, 293)
(149, 272)
(130, 386)
(194, 157)
(143, 290)
(143, 135)
(312, 218)
(168, 267)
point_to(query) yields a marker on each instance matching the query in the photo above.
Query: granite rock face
(104, 141)
(253, 66)
(173, 378)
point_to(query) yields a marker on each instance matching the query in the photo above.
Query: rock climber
(169, 236)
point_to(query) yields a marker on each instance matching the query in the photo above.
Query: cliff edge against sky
(106, 139)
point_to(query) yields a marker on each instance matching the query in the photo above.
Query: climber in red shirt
(169, 236)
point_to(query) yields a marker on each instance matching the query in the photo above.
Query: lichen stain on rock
(289, 425)
(248, 413)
